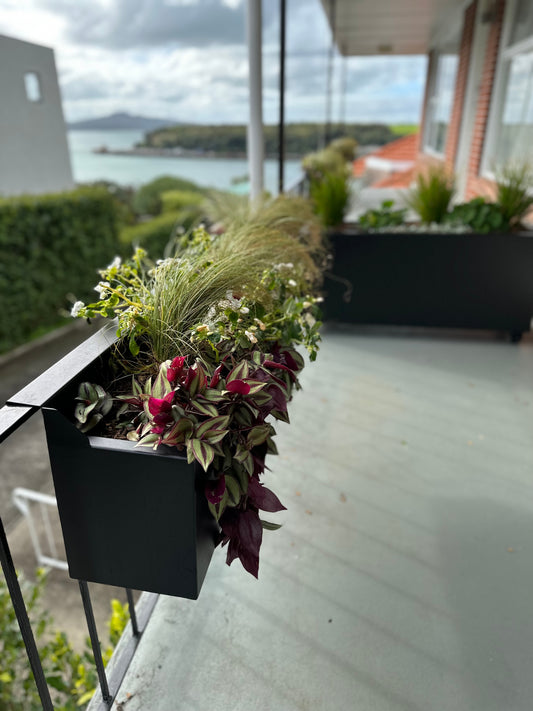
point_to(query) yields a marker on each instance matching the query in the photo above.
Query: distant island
(174, 140)
(121, 121)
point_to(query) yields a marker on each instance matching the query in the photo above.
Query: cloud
(126, 24)
(186, 60)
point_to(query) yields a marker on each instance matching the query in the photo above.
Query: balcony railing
(11, 418)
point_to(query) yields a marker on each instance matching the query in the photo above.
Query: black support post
(281, 149)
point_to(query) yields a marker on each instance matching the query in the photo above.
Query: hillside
(300, 138)
(120, 122)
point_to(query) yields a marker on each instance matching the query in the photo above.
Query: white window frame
(432, 80)
(500, 86)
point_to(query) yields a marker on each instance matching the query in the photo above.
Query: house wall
(467, 130)
(34, 155)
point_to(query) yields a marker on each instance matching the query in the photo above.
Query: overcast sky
(186, 60)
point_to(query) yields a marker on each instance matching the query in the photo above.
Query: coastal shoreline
(150, 152)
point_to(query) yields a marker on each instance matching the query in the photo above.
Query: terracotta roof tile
(402, 149)
(403, 179)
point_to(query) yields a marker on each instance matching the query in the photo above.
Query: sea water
(133, 170)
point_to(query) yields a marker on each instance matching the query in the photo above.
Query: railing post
(23, 620)
(95, 643)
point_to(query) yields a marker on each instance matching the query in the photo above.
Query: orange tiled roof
(402, 179)
(402, 149)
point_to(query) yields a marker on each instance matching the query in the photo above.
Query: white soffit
(367, 27)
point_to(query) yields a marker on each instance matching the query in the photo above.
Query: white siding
(34, 155)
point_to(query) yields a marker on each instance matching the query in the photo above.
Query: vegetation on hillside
(300, 138)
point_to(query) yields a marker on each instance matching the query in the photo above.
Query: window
(33, 87)
(440, 103)
(512, 129)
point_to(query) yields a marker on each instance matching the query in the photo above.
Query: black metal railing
(11, 418)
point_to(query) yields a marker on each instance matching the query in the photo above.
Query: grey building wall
(34, 156)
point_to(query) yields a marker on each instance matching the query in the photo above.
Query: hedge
(147, 199)
(155, 235)
(51, 246)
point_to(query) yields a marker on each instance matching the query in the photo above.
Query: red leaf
(250, 534)
(272, 364)
(214, 490)
(176, 368)
(158, 406)
(215, 377)
(263, 498)
(238, 386)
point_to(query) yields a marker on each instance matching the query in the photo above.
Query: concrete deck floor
(402, 577)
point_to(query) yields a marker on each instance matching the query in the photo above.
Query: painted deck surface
(402, 577)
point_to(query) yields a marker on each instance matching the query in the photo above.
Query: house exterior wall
(467, 128)
(34, 155)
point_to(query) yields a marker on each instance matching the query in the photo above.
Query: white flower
(78, 306)
(115, 264)
(319, 299)
(260, 324)
(306, 304)
(286, 265)
(291, 282)
(102, 287)
(311, 320)
(250, 336)
(244, 310)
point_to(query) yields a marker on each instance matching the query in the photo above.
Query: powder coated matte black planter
(131, 517)
(434, 280)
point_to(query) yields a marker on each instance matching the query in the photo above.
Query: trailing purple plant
(218, 417)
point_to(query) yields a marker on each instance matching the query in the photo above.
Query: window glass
(515, 125)
(33, 86)
(441, 102)
(522, 27)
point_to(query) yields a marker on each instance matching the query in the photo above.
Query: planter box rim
(45, 386)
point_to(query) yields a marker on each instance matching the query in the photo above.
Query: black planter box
(434, 280)
(131, 517)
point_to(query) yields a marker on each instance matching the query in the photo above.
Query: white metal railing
(27, 501)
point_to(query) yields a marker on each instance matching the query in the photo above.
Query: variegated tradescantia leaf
(201, 451)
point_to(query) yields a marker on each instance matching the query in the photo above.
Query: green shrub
(159, 233)
(147, 200)
(346, 147)
(383, 216)
(317, 165)
(514, 182)
(432, 195)
(50, 244)
(71, 676)
(174, 200)
(480, 215)
(330, 196)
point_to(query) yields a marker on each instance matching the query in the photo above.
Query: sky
(186, 60)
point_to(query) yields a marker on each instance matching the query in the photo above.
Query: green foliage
(122, 196)
(317, 165)
(51, 244)
(346, 147)
(71, 676)
(478, 214)
(404, 129)
(514, 183)
(300, 138)
(382, 217)
(159, 233)
(432, 195)
(330, 195)
(174, 200)
(147, 200)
